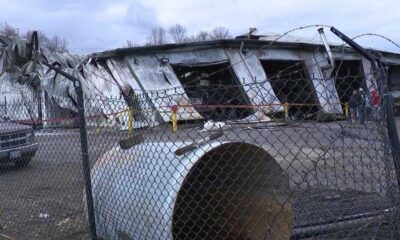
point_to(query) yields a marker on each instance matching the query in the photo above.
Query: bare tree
(8, 30)
(130, 43)
(57, 44)
(157, 36)
(178, 33)
(219, 33)
(202, 36)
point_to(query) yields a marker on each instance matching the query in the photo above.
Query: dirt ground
(45, 199)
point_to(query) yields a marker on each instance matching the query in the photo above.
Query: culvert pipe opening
(235, 191)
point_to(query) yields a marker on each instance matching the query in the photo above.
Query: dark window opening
(348, 76)
(291, 84)
(208, 86)
(394, 78)
(393, 75)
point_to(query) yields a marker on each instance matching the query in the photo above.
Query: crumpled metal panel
(59, 89)
(325, 89)
(17, 101)
(122, 76)
(161, 85)
(103, 93)
(325, 85)
(130, 87)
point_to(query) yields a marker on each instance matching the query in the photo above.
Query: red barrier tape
(171, 109)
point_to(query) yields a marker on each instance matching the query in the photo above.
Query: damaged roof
(255, 42)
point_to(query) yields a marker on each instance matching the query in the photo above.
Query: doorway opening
(214, 90)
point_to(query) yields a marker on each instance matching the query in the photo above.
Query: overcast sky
(91, 26)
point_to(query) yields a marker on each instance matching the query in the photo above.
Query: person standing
(362, 107)
(375, 104)
(354, 104)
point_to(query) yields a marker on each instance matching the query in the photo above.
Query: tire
(23, 162)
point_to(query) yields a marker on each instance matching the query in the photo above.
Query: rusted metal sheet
(159, 184)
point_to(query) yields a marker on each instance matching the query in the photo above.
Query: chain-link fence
(315, 162)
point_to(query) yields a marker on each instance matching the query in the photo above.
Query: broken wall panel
(107, 101)
(250, 73)
(162, 88)
(323, 84)
(132, 91)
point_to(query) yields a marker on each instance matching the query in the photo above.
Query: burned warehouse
(250, 78)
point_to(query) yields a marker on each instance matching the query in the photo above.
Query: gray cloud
(99, 25)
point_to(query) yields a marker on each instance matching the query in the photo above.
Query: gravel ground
(45, 199)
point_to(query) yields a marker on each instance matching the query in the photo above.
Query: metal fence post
(84, 148)
(85, 159)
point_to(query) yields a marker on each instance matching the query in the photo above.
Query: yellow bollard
(286, 107)
(174, 118)
(130, 121)
(346, 109)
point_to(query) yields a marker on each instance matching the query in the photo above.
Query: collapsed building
(256, 72)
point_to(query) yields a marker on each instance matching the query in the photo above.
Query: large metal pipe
(220, 190)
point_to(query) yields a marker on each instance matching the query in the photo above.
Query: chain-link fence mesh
(314, 162)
